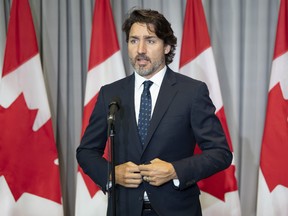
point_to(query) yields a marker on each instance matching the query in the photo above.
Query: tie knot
(147, 84)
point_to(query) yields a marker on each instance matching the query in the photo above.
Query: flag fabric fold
(273, 178)
(29, 168)
(219, 193)
(105, 66)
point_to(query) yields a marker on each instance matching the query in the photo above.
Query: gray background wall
(242, 35)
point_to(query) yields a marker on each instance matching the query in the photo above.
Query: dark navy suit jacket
(183, 116)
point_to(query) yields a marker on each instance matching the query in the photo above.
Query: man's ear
(167, 49)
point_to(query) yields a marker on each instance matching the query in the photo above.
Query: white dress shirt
(154, 91)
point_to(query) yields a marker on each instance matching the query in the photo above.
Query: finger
(144, 167)
(135, 176)
(133, 181)
(153, 183)
(150, 179)
(131, 163)
(155, 160)
(145, 173)
(146, 178)
(130, 175)
(133, 169)
(132, 185)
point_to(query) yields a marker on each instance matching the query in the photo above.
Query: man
(156, 171)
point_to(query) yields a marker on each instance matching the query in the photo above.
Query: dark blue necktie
(145, 111)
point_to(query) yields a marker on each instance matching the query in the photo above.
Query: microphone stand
(111, 133)
(113, 108)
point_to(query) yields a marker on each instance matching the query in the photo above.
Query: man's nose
(141, 47)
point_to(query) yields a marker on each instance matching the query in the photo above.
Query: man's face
(146, 51)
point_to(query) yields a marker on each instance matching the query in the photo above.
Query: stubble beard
(142, 71)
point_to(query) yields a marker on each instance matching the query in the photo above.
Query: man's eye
(151, 41)
(133, 41)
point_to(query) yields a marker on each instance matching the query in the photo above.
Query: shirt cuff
(176, 182)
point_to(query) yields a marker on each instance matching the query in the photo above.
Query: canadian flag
(105, 66)
(29, 168)
(219, 193)
(2, 38)
(273, 176)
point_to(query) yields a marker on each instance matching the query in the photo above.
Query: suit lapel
(131, 119)
(166, 94)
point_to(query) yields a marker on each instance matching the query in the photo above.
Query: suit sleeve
(210, 137)
(91, 149)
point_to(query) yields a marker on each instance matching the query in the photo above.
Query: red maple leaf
(225, 181)
(91, 186)
(220, 183)
(28, 157)
(274, 158)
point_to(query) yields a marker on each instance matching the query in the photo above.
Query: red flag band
(273, 179)
(219, 192)
(29, 168)
(105, 66)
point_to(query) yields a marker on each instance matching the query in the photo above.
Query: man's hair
(162, 28)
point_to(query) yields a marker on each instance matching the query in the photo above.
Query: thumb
(155, 160)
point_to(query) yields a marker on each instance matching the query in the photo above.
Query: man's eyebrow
(145, 37)
(133, 36)
(150, 37)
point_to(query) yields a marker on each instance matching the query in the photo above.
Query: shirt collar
(156, 79)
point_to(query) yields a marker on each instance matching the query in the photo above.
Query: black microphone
(114, 106)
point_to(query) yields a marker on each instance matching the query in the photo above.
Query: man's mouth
(142, 60)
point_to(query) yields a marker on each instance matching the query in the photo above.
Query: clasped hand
(156, 173)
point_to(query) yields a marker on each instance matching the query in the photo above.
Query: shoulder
(121, 82)
(184, 81)
(121, 88)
